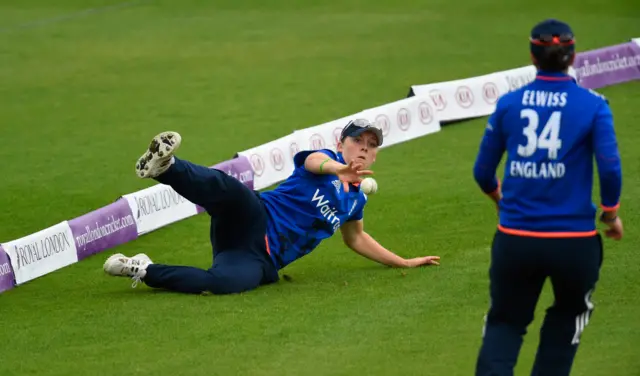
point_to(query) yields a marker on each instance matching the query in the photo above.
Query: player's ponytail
(554, 58)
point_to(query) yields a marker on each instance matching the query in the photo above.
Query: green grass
(80, 99)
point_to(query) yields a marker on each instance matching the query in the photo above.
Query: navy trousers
(519, 268)
(238, 230)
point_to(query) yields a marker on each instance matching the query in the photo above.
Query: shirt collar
(553, 76)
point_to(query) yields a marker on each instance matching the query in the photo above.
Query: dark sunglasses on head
(361, 124)
(549, 40)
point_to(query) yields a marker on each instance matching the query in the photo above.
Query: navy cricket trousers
(238, 229)
(519, 268)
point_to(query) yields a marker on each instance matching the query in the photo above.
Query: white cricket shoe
(135, 267)
(159, 155)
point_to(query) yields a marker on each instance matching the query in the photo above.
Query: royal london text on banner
(158, 206)
(238, 168)
(104, 228)
(7, 279)
(41, 253)
(608, 66)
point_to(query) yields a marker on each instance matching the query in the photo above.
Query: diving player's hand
(423, 261)
(352, 173)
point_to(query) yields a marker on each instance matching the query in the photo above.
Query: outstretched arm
(358, 240)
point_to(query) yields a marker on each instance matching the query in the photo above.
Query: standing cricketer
(551, 130)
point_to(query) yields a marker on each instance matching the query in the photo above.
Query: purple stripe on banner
(7, 279)
(239, 168)
(104, 228)
(608, 66)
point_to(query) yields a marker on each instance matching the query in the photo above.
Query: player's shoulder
(598, 96)
(511, 98)
(592, 94)
(301, 156)
(517, 93)
(502, 106)
(328, 152)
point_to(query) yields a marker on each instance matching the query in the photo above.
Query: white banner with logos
(41, 253)
(404, 120)
(273, 161)
(477, 96)
(400, 121)
(158, 206)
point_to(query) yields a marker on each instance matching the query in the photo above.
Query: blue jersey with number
(551, 130)
(308, 208)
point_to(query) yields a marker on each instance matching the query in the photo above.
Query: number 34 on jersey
(548, 139)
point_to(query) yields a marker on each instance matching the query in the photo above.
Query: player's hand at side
(615, 230)
(423, 261)
(352, 173)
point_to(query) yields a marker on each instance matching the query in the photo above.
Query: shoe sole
(158, 155)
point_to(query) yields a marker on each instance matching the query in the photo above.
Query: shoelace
(135, 269)
(136, 280)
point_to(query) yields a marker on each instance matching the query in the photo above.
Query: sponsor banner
(477, 96)
(271, 162)
(158, 206)
(41, 253)
(400, 121)
(608, 66)
(104, 228)
(239, 168)
(473, 97)
(7, 280)
(405, 119)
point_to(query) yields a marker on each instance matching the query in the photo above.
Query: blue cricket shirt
(551, 130)
(306, 209)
